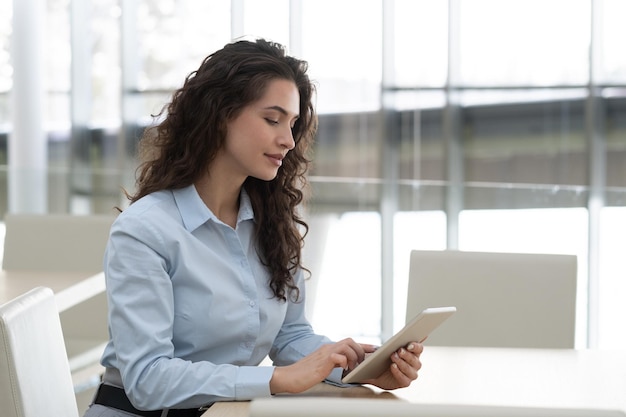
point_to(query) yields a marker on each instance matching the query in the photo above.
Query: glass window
(421, 147)
(58, 58)
(106, 70)
(528, 42)
(347, 300)
(524, 142)
(615, 108)
(2, 234)
(267, 19)
(538, 142)
(348, 145)
(342, 41)
(558, 231)
(6, 68)
(421, 43)
(174, 37)
(612, 285)
(171, 38)
(611, 60)
(412, 230)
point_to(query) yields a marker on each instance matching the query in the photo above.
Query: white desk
(520, 377)
(496, 377)
(78, 295)
(70, 288)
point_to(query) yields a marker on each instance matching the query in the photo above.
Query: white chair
(55, 242)
(35, 377)
(74, 244)
(502, 299)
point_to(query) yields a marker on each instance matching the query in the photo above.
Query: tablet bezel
(415, 331)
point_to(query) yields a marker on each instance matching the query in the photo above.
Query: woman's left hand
(405, 362)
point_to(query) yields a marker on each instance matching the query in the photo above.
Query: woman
(203, 269)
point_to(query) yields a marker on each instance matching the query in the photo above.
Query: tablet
(415, 331)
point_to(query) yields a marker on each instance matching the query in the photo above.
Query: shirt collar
(195, 213)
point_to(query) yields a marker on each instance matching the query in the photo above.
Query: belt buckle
(202, 409)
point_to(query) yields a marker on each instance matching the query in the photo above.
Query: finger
(401, 378)
(411, 357)
(407, 363)
(415, 347)
(367, 348)
(357, 348)
(413, 360)
(339, 360)
(342, 355)
(353, 351)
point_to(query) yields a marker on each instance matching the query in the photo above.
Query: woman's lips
(277, 159)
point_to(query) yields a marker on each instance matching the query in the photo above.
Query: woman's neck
(221, 197)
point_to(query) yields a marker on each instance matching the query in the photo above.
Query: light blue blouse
(191, 315)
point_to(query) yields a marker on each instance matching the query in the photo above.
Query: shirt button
(252, 303)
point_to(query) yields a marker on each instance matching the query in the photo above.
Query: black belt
(115, 397)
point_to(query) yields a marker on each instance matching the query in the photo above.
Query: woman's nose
(287, 139)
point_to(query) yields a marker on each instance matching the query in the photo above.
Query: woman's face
(258, 139)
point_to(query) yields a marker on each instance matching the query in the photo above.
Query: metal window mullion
(81, 93)
(130, 97)
(236, 18)
(451, 131)
(389, 162)
(596, 140)
(295, 27)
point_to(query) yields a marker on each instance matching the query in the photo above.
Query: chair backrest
(502, 299)
(55, 242)
(35, 377)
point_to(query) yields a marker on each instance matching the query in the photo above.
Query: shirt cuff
(335, 378)
(253, 382)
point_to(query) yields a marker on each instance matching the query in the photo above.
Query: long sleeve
(191, 315)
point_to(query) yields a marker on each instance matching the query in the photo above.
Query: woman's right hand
(316, 367)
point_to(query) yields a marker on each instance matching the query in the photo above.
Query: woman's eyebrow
(280, 110)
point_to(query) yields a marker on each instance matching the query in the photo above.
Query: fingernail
(411, 346)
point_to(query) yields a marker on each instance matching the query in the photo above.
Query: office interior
(461, 124)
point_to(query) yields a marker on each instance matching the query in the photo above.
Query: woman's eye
(271, 121)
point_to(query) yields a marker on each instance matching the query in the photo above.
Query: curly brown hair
(179, 149)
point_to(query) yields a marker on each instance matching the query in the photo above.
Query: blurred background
(464, 124)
